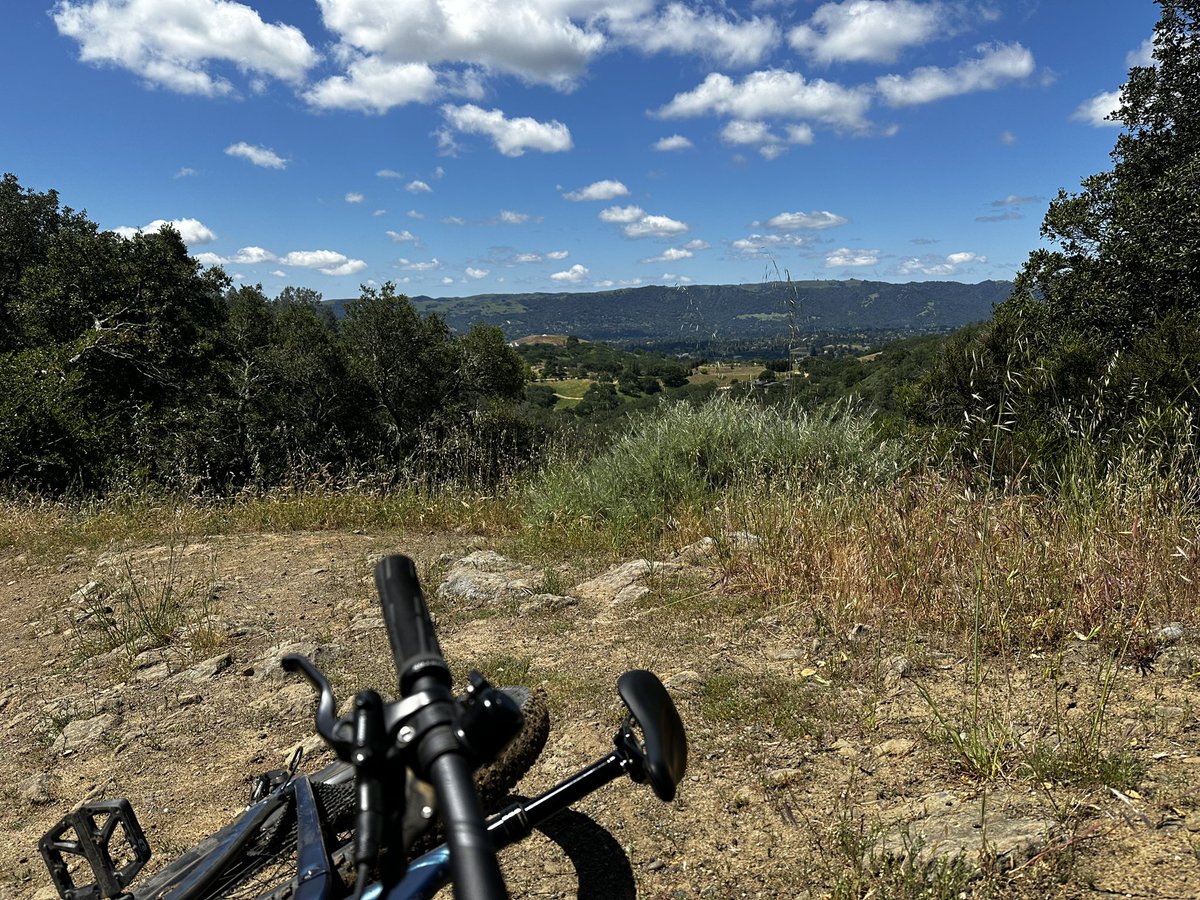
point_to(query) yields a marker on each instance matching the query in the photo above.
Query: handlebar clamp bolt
(405, 735)
(426, 812)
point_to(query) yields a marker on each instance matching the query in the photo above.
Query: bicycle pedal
(95, 831)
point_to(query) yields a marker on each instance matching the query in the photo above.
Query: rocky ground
(819, 762)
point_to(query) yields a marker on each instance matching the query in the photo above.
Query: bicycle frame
(428, 731)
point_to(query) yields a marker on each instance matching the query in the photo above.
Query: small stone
(897, 666)
(687, 682)
(895, 747)
(697, 553)
(35, 789)
(85, 591)
(742, 797)
(1169, 634)
(208, 669)
(547, 603)
(844, 749)
(784, 777)
(744, 540)
(859, 632)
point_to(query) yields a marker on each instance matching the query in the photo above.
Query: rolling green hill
(740, 312)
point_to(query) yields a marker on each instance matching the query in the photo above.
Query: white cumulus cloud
(260, 156)
(866, 30)
(758, 134)
(673, 142)
(374, 85)
(996, 64)
(327, 262)
(638, 223)
(173, 43)
(1096, 110)
(655, 226)
(681, 29)
(557, 254)
(250, 256)
(401, 237)
(573, 275)
(621, 214)
(816, 220)
(844, 256)
(940, 265)
(765, 244)
(193, 231)
(510, 217)
(773, 93)
(671, 254)
(419, 266)
(475, 273)
(598, 190)
(417, 186)
(535, 40)
(353, 197)
(512, 137)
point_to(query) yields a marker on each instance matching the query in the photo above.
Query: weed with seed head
(139, 605)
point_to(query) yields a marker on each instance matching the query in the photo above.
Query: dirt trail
(807, 751)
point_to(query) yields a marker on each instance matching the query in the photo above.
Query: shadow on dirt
(601, 866)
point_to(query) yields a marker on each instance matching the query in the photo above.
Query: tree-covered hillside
(700, 315)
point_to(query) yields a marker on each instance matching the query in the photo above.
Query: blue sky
(458, 147)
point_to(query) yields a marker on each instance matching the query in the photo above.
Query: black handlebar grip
(410, 630)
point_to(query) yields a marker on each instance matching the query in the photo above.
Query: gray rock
(478, 587)
(85, 732)
(785, 777)
(485, 576)
(698, 553)
(631, 593)
(895, 669)
(35, 789)
(895, 747)
(844, 749)
(744, 540)
(1180, 661)
(85, 591)
(609, 585)
(547, 603)
(943, 826)
(269, 664)
(206, 670)
(486, 561)
(150, 674)
(1169, 634)
(292, 701)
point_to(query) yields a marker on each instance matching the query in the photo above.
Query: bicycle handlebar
(410, 630)
(441, 757)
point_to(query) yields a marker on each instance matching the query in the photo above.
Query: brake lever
(328, 725)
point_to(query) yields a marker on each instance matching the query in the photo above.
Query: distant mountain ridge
(657, 314)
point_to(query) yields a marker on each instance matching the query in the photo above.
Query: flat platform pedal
(107, 836)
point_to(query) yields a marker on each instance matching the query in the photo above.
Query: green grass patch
(723, 373)
(682, 459)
